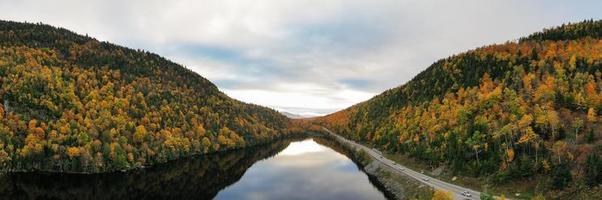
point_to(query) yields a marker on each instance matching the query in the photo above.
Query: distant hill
(513, 111)
(293, 116)
(72, 103)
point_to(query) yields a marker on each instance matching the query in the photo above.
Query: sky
(309, 57)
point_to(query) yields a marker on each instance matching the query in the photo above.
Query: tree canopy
(71, 103)
(505, 111)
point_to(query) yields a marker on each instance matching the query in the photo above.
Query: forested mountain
(72, 103)
(508, 111)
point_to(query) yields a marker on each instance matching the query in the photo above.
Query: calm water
(282, 170)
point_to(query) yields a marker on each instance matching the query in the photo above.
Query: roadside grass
(592, 193)
(525, 187)
(412, 189)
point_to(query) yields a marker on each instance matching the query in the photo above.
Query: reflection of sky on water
(302, 147)
(304, 170)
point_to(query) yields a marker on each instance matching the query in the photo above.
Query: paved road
(427, 180)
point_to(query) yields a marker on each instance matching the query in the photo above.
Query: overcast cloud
(305, 56)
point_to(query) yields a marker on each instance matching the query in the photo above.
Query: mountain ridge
(71, 103)
(521, 109)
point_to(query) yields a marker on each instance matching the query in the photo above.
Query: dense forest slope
(508, 111)
(71, 103)
(188, 178)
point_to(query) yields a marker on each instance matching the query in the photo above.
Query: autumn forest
(513, 111)
(529, 108)
(72, 103)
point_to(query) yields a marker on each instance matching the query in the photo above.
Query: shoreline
(394, 184)
(255, 145)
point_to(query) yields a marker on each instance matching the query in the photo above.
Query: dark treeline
(508, 111)
(189, 178)
(71, 103)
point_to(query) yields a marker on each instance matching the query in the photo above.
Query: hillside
(523, 110)
(72, 103)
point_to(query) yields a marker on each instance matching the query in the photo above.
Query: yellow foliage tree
(73, 152)
(200, 130)
(140, 134)
(442, 195)
(510, 154)
(591, 115)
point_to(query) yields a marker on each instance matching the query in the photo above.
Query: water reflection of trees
(330, 143)
(356, 158)
(193, 178)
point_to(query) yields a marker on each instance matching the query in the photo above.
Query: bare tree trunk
(477, 152)
(536, 151)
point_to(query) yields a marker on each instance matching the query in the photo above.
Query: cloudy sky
(305, 56)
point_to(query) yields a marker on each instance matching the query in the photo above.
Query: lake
(286, 169)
